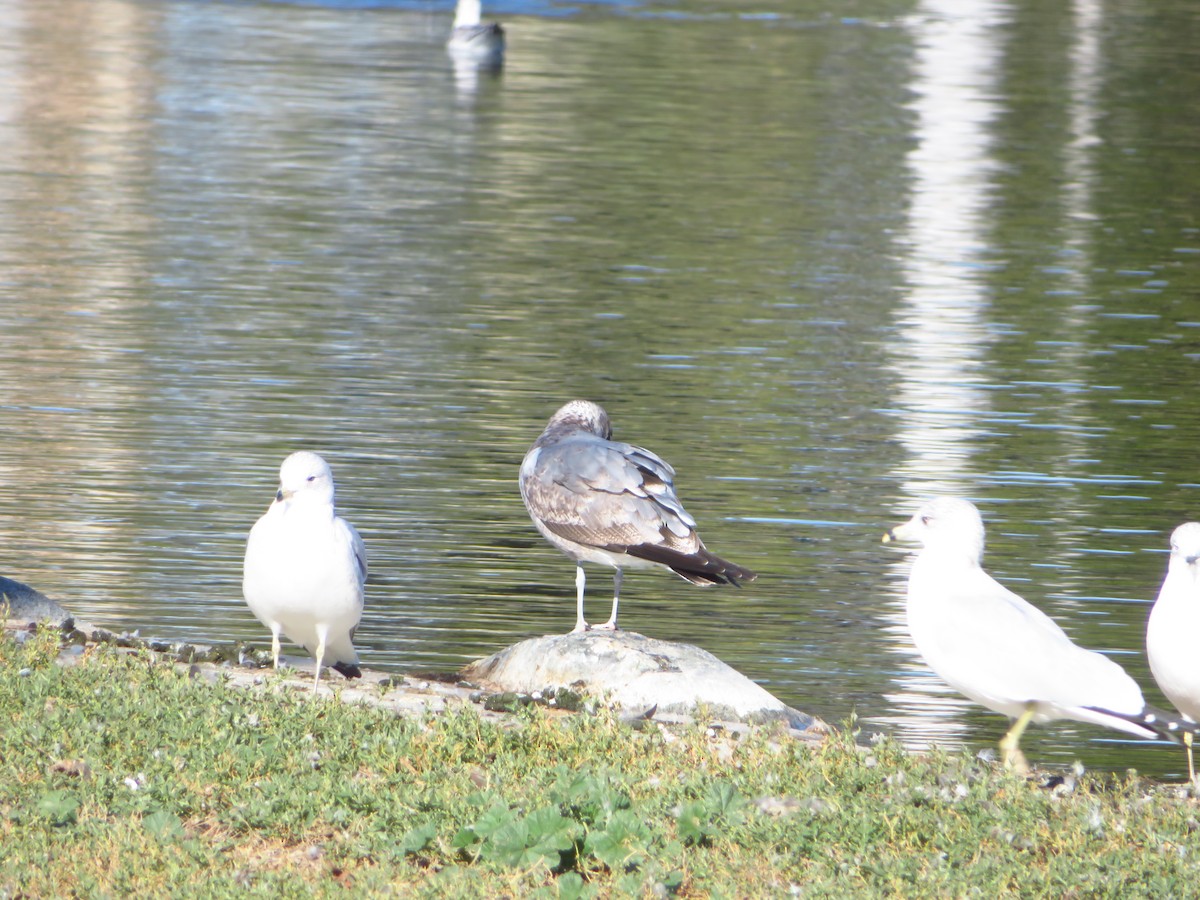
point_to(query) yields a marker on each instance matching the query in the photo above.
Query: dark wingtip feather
(701, 568)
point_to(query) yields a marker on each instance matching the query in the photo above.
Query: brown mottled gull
(602, 501)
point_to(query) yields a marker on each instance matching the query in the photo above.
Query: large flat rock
(20, 604)
(635, 672)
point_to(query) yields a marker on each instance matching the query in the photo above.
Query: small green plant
(505, 837)
(721, 807)
(59, 807)
(621, 841)
(417, 839)
(164, 825)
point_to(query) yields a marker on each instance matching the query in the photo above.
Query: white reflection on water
(943, 395)
(1083, 85)
(941, 388)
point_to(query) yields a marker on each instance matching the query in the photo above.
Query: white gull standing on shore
(1002, 651)
(306, 568)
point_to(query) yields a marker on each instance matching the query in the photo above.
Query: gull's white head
(945, 525)
(1185, 549)
(305, 477)
(467, 13)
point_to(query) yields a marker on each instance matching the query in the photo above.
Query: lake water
(826, 266)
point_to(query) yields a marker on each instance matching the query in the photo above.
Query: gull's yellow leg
(1009, 751)
(1187, 743)
(275, 648)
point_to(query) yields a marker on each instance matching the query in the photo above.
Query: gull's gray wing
(606, 494)
(360, 550)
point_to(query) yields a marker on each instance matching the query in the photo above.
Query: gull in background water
(1001, 651)
(306, 567)
(1174, 627)
(473, 41)
(601, 501)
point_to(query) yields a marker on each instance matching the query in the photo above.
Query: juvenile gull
(1001, 651)
(475, 41)
(1174, 629)
(601, 501)
(305, 568)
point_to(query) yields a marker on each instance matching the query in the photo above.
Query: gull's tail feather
(702, 568)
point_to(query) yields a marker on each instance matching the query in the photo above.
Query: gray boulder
(21, 605)
(636, 673)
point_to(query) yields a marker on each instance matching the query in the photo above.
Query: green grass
(121, 776)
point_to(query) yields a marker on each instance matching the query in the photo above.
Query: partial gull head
(602, 501)
(305, 568)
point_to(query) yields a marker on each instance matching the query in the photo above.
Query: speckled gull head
(583, 415)
(947, 525)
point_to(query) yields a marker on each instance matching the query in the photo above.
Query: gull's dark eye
(312, 477)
